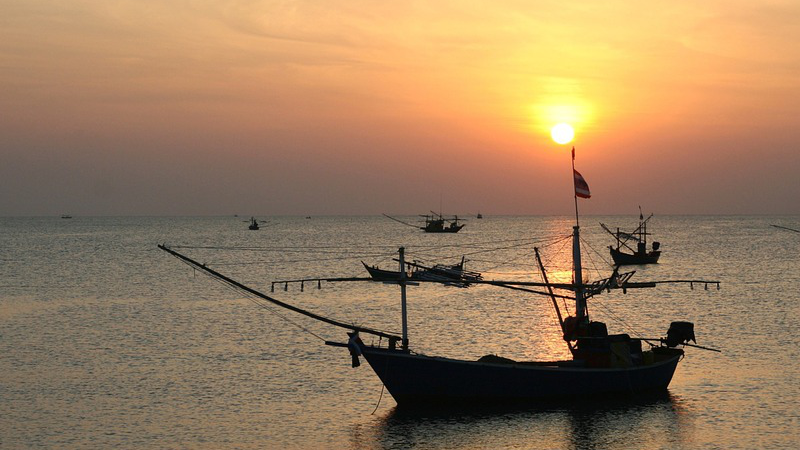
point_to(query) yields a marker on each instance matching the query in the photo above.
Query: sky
(144, 107)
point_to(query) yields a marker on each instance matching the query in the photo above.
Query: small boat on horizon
(66, 216)
(638, 255)
(253, 224)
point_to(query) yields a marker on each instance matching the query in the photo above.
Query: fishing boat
(638, 255)
(417, 271)
(435, 223)
(253, 224)
(601, 363)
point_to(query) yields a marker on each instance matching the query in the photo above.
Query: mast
(403, 310)
(642, 228)
(580, 301)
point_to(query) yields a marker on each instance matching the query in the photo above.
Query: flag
(581, 188)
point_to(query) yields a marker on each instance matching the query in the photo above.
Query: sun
(562, 133)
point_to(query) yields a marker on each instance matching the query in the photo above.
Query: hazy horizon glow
(360, 107)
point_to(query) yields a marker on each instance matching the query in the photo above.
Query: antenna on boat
(575, 194)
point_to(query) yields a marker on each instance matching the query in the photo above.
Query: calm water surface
(108, 342)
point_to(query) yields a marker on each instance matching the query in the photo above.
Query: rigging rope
(345, 252)
(614, 316)
(206, 270)
(263, 305)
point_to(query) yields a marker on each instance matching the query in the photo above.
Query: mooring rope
(383, 386)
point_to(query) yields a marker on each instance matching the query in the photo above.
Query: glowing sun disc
(562, 133)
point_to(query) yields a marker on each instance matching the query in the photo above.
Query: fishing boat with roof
(601, 363)
(638, 255)
(435, 223)
(253, 224)
(417, 270)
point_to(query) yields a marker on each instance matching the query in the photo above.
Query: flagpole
(574, 192)
(580, 300)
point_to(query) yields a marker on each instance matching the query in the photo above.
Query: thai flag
(581, 188)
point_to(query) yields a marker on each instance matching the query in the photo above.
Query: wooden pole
(404, 312)
(574, 193)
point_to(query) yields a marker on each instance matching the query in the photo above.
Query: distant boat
(435, 223)
(253, 224)
(66, 216)
(440, 272)
(480, 216)
(639, 255)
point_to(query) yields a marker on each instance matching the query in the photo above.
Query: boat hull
(439, 272)
(627, 259)
(448, 229)
(416, 379)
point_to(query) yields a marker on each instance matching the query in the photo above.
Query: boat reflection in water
(651, 422)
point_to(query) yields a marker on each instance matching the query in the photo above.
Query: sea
(106, 341)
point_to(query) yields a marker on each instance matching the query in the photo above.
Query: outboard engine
(680, 333)
(656, 246)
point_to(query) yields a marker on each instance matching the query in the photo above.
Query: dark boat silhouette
(638, 255)
(418, 271)
(601, 364)
(435, 223)
(253, 224)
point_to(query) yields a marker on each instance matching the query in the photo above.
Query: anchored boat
(601, 363)
(435, 223)
(638, 255)
(417, 271)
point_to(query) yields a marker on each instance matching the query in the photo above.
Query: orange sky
(363, 107)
